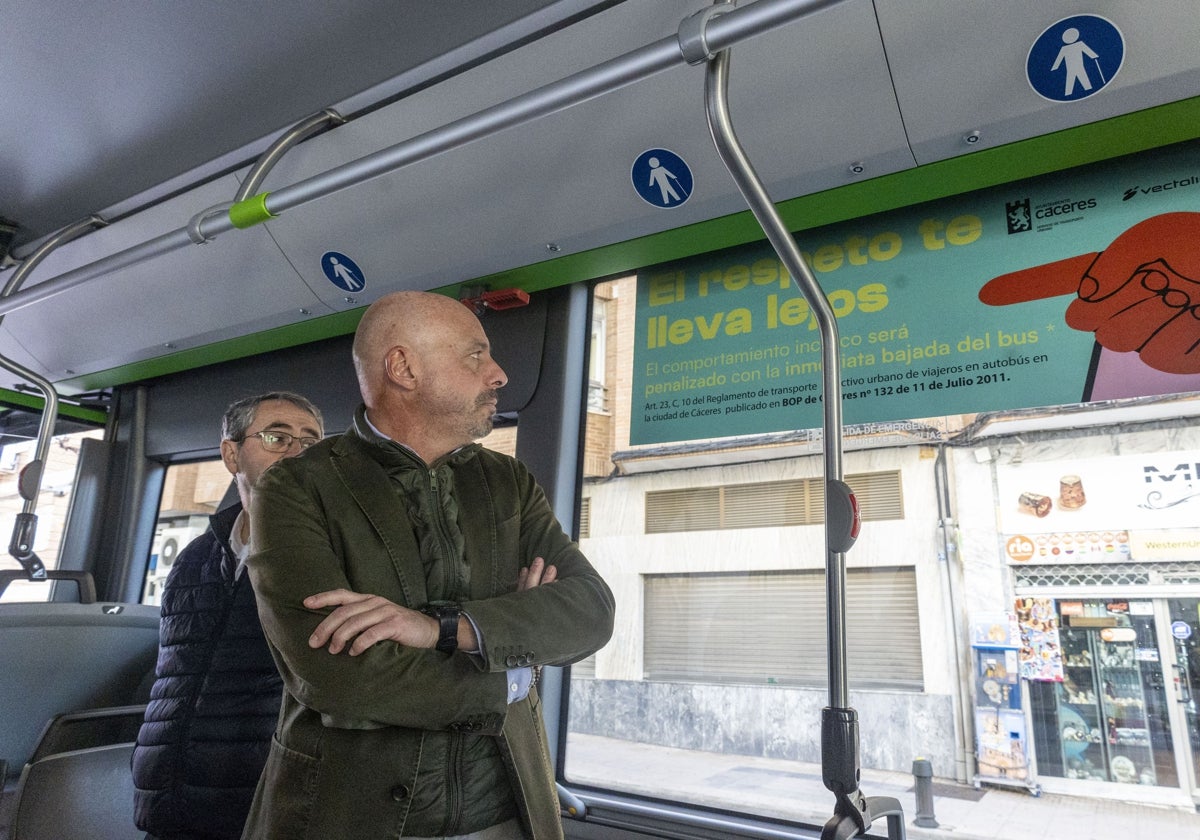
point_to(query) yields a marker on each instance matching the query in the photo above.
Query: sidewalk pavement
(793, 791)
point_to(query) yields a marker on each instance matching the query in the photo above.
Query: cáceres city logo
(1021, 215)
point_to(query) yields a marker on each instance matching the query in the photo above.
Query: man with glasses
(216, 694)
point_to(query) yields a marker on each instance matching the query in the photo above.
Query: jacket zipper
(440, 527)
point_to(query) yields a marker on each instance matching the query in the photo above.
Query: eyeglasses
(273, 441)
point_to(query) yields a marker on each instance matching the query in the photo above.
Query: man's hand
(362, 620)
(535, 574)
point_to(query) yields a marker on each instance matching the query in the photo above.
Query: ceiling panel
(960, 67)
(807, 100)
(103, 101)
(11, 348)
(885, 85)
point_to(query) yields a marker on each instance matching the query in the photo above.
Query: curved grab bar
(25, 527)
(267, 160)
(755, 194)
(853, 812)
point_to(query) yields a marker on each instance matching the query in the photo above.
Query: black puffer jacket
(215, 700)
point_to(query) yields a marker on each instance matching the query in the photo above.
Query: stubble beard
(484, 427)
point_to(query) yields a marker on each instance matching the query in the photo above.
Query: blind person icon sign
(342, 272)
(661, 178)
(1075, 58)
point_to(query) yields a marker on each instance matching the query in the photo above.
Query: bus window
(53, 501)
(715, 553)
(712, 688)
(502, 439)
(191, 493)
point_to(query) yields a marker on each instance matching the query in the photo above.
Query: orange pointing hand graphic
(1139, 294)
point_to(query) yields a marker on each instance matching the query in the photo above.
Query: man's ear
(397, 366)
(229, 456)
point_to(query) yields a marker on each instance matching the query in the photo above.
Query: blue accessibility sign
(343, 272)
(661, 178)
(1075, 58)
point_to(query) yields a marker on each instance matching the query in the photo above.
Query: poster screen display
(1067, 288)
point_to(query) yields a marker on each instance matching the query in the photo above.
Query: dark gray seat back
(78, 795)
(62, 657)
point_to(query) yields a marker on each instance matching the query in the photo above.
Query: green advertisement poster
(1077, 286)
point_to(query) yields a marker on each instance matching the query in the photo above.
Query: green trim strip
(250, 211)
(1137, 132)
(19, 399)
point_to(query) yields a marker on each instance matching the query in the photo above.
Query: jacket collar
(358, 463)
(393, 453)
(221, 524)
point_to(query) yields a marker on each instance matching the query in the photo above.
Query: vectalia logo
(1175, 184)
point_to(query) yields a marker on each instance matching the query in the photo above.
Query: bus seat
(61, 657)
(77, 795)
(89, 728)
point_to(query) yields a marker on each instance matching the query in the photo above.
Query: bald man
(408, 580)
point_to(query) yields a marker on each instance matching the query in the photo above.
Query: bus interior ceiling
(147, 114)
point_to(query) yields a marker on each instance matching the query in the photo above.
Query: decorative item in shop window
(1070, 493)
(1034, 504)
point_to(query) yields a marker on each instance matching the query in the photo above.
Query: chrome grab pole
(29, 484)
(853, 812)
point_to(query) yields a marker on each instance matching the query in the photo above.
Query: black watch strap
(447, 616)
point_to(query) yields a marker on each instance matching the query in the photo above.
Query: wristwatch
(447, 616)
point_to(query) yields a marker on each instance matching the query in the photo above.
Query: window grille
(1108, 574)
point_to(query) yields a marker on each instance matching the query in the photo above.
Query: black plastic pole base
(852, 817)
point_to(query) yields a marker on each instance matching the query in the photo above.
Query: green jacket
(357, 735)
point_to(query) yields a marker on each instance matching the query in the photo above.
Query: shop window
(1107, 719)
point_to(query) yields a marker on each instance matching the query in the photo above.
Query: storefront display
(1040, 654)
(1001, 740)
(1185, 633)
(1107, 719)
